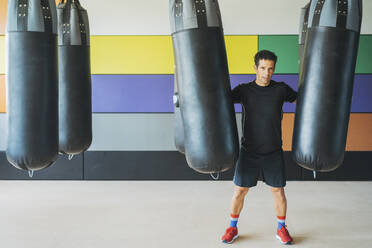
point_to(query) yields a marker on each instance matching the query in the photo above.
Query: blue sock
(281, 221)
(234, 219)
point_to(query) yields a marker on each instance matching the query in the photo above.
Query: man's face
(264, 71)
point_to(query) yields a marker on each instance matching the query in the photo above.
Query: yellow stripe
(2, 54)
(240, 53)
(2, 94)
(131, 55)
(153, 54)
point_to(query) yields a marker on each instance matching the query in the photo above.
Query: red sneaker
(283, 235)
(230, 235)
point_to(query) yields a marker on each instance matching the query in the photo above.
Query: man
(261, 144)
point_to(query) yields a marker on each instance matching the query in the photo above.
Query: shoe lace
(284, 230)
(230, 232)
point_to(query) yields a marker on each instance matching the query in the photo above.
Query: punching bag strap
(47, 16)
(305, 25)
(22, 15)
(83, 31)
(201, 14)
(317, 12)
(178, 14)
(66, 27)
(342, 7)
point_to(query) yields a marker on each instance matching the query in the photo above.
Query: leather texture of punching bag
(179, 133)
(32, 84)
(75, 90)
(208, 116)
(326, 83)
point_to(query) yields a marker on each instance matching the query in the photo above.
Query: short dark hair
(265, 55)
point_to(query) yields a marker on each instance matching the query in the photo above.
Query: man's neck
(262, 84)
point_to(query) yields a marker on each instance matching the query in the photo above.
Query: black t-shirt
(262, 114)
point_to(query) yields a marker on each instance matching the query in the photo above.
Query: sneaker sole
(284, 243)
(235, 237)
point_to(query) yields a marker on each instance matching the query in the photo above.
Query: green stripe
(364, 60)
(286, 48)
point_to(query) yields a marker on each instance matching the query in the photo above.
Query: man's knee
(240, 191)
(278, 192)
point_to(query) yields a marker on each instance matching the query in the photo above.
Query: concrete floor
(182, 214)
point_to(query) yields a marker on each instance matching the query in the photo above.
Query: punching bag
(326, 83)
(304, 16)
(32, 84)
(207, 112)
(178, 123)
(75, 93)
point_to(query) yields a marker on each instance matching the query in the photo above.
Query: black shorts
(250, 165)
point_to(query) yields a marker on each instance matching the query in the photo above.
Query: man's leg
(237, 203)
(280, 204)
(237, 200)
(280, 201)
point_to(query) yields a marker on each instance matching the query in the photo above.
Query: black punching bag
(210, 132)
(179, 133)
(75, 94)
(32, 83)
(326, 83)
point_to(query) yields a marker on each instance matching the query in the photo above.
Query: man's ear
(255, 68)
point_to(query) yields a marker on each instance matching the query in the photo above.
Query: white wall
(151, 17)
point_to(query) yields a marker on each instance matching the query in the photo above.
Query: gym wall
(132, 88)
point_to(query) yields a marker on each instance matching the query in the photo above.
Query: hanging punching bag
(303, 30)
(326, 83)
(32, 84)
(179, 135)
(208, 117)
(75, 104)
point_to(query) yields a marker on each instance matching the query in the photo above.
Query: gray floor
(45, 214)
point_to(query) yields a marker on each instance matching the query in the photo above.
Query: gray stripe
(126, 132)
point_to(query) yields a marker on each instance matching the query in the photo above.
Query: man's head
(264, 66)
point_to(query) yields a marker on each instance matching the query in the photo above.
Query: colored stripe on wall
(359, 133)
(285, 47)
(2, 54)
(3, 14)
(153, 93)
(155, 132)
(2, 94)
(154, 54)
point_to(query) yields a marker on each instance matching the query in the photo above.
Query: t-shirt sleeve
(236, 94)
(291, 95)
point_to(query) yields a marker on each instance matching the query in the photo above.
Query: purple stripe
(153, 93)
(132, 93)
